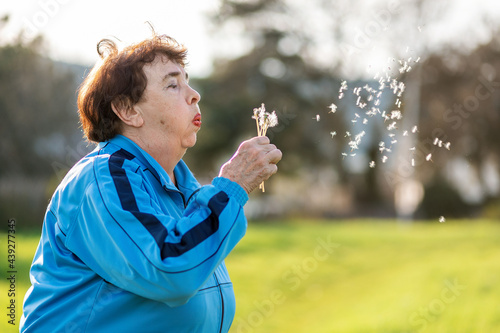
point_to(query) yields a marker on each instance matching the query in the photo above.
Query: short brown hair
(119, 78)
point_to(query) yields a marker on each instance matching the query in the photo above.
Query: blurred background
(440, 159)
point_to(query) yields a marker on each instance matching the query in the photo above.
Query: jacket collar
(185, 180)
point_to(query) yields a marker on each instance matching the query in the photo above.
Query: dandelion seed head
(273, 119)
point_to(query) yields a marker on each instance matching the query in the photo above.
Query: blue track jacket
(124, 250)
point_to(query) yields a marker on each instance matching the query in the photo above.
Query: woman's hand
(254, 162)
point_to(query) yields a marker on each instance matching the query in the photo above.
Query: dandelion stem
(264, 120)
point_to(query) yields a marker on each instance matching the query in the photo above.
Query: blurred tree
(292, 56)
(39, 132)
(37, 107)
(461, 105)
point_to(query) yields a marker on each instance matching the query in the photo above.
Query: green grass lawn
(349, 276)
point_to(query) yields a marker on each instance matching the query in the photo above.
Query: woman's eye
(173, 85)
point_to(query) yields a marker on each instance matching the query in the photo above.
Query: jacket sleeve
(122, 235)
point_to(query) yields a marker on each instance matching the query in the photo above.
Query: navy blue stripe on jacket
(190, 239)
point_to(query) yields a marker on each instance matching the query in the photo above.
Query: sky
(72, 28)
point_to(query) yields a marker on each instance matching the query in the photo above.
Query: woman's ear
(124, 109)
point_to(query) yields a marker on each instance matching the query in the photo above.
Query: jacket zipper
(222, 302)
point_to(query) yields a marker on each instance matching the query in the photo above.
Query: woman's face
(169, 106)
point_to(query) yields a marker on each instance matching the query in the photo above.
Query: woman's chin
(190, 142)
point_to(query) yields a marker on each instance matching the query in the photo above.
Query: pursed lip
(197, 120)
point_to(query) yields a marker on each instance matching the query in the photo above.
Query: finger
(268, 148)
(262, 140)
(274, 156)
(271, 169)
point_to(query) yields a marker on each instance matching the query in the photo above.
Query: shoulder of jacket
(112, 158)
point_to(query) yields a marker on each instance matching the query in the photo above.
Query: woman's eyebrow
(174, 74)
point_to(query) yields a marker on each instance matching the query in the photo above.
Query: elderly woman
(131, 242)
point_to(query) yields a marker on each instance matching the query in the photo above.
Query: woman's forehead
(163, 68)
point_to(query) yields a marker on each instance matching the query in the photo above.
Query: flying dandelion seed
(414, 129)
(442, 219)
(384, 158)
(396, 114)
(412, 162)
(372, 164)
(333, 108)
(317, 117)
(333, 134)
(428, 157)
(405, 133)
(343, 85)
(447, 145)
(353, 145)
(436, 140)
(365, 121)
